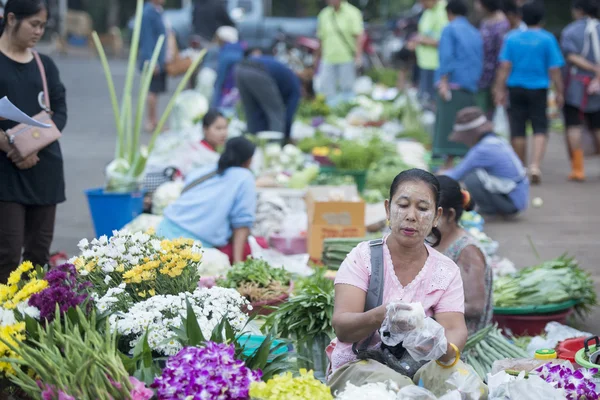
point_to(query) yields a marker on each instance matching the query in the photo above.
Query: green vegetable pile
(309, 109)
(325, 179)
(318, 140)
(382, 173)
(254, 271)
(488, 346)
(551, 282)
(335, 250)
(357, 156)
(384, 76)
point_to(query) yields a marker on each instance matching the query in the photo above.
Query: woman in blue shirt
(218, 203)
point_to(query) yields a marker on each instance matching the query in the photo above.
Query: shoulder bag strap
(375, 292)
(198, 181)
(40, 65)
(339, 32)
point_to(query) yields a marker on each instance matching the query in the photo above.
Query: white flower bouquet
(147, 264)
(160, 315)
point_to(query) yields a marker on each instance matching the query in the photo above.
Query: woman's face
(31, 29)
(412, 212)
(478, 7)
(216, 133)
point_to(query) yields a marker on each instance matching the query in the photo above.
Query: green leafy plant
(123, 174)
(75, 358)
(306, 318)
(383, 172)
(257, 280)
(357, 156)
(270, 357)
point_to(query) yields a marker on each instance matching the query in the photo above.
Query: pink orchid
(63, 396)
(140, 391)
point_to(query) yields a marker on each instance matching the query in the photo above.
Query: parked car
(255, 26)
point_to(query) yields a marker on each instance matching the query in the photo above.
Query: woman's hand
(14, 155)
(28, 162)
(350, 323)
(456, 333)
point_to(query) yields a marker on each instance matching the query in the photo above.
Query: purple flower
(63, 290)
(209, 372)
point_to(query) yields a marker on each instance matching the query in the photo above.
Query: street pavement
(568, 221)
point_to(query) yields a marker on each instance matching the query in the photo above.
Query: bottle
(546, 355)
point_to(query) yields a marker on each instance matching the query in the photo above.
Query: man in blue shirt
(461, 65)
(231, 52)
(491, 171)
(529, 60)
(270, 93)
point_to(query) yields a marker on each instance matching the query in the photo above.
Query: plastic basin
(532, 324)
(251, 343)
(581, 361)
(288, 245)
(567, 349)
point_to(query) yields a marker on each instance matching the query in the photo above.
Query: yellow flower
(26, 266)
(150, 231)
(152, 292)
(120, 268)
(11, 334)
(142, 294)
(79, 263)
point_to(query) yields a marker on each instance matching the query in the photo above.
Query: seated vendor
(214, 128)
(458, 245)
(413, 272)
(491, 170)
(218, 203)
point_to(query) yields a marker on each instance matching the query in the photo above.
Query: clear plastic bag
(500, 121)
(505, 387)
(401, 318)
(415, 393)
(427, 343)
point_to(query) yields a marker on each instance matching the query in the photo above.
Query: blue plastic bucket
(112, 211)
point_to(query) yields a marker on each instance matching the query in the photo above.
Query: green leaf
(193, 331)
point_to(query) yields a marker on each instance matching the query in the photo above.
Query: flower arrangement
(209, 372)
(21, 285)
(285, 386)
(123, 174)
(73, 360)
(10, 336)
(577, 384)
(161, 316)
(63, 292)
(147, 264)
(257, 281)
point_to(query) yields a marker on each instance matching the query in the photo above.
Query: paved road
(568, 220)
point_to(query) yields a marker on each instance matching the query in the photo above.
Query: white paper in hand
(12, 113)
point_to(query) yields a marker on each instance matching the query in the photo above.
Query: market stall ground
(567, 221)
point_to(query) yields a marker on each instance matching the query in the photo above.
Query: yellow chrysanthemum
(11, 334)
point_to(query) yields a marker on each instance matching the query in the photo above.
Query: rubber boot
(577, 172)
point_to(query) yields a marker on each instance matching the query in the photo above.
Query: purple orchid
(205, 373)
(577, 384)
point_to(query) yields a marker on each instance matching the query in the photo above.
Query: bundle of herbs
(551, 282)
(257, 280)
(357, 156)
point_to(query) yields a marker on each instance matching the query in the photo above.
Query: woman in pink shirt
(413, 271)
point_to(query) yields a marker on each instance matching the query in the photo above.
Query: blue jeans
(488, 203)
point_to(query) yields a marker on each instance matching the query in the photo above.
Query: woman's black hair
(419, 175)
(510, 7)
(589, 7)
(211, 116)
(22, 9)
(238, 151)
(452, 196)
(492, 5)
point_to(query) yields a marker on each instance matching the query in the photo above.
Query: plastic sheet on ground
(555, 333)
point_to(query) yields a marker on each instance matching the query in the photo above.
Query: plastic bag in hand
(427, 343)
(403, 317)
(500, 121)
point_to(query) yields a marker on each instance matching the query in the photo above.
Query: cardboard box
(333, 211)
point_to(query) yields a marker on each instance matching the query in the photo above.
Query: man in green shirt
(340, 27)
(431, 24)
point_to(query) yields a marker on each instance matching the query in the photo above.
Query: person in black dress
(30, 188)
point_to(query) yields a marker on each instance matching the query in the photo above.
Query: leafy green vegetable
(309, 109)
(356, 156)
(254, 271)
(551, 282)
(325, 179)
(382, 174)
(384, 76)
(319, 140)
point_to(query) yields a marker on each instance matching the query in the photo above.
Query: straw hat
(471, 123)
(228, 34)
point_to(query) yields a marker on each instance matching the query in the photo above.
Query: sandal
(535, 175)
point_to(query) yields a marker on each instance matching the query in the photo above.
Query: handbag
(27, 139)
